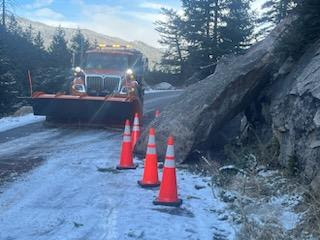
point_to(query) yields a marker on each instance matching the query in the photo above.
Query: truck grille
(102, 86)
(94, 83)
(111, 83)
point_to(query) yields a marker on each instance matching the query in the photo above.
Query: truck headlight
(78, 70)
(129, 72)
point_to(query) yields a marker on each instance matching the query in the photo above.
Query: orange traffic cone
(157, 113)
(135, 130)
(150, 175)
(168, 195)
(126, 160)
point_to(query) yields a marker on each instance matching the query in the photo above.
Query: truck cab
(110, 70)
(107, 89)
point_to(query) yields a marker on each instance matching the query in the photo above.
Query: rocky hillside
(276, 97)
(152, 53)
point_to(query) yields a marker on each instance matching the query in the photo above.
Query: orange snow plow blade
(109, 110)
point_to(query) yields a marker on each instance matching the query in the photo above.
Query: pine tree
(238, 26)
(171, 37)
(79, 45)
(201, 29)
(305, 30)
(5, 7)
(7, 80)
(17, 56)
(13, 26)
(52, 79)
(95, 43)
(38, 41)
(59, 52)
(216, 27)
(273, 12)
(308, 23)
(207, 30)
(28, 33)
(7, 86)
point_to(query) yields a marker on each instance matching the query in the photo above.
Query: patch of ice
(268, 173)
(8, 123)
(286, 215)
(289, 220)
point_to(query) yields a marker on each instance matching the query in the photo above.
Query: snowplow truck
(106, 89)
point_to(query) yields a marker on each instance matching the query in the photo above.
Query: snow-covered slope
(8, 123)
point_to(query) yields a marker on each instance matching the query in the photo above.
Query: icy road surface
(72, 190)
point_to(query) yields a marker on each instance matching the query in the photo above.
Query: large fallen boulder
(204, 108)
(163, 86)
(201, 74)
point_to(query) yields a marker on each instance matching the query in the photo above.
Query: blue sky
(127, 19)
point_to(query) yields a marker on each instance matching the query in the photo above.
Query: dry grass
(253, 190)
(243, 179)
(311, 221)
(252, 230)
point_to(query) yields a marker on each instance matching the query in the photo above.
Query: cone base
(134, 166)
(148, 185)
(169, 204)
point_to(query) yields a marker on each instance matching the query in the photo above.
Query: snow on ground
(77, 194)
(8, 123)
(162, 91)
(267, 201)
(286, 215)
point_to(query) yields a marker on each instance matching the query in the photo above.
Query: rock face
(204, 108)
(296, 116)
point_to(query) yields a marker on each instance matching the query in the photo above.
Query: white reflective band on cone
(135, 128)
(151, 150)
(127, 130)
(126, 139)
(152, 140)
(136, 121)
(170, 151)
(170, 163)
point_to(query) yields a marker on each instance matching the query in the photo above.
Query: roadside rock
(296, 117)
(204, 108)
(163, 86)
(315, 184)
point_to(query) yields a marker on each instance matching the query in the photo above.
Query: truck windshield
(106, 61)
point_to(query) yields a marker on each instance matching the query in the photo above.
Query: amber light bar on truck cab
(114, 46)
